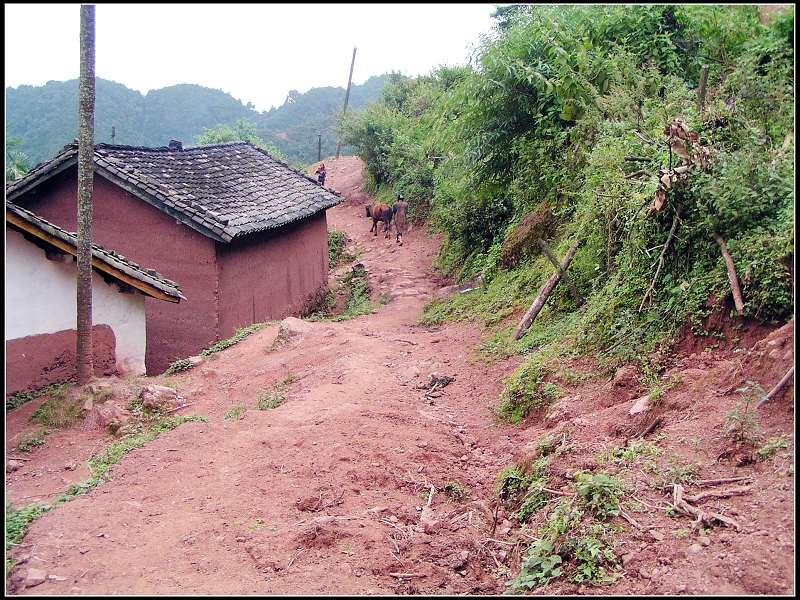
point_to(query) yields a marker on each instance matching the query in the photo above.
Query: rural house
(41, 305)
(245, 234)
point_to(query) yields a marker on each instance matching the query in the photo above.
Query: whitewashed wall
(41, 298)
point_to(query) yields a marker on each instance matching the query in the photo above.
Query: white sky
(257, 53)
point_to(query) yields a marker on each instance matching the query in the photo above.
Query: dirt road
(324, 493)
(329, 492)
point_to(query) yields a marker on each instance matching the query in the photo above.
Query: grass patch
(356, 284)
(337, 241)
(28, 441)
(20, 398)
(182, 364)
(19, 520)
(58, 410)
(635, 450)
(275, 396)
(237, 337)
(526, 391)
(235, 412)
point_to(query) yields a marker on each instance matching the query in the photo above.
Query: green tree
(17, 162)
(241, 131)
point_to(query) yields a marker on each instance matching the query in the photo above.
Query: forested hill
(45, 117)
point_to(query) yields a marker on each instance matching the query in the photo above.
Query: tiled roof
(224, 191)
(111, 258)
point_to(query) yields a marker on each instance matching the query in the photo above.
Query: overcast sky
(257, 53)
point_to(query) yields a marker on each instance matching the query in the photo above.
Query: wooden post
(346, 97)
(552, 258)
(544, 292)
(113, 133)
(734, 280)
(84, 354)
(319, 147)
(701, 90)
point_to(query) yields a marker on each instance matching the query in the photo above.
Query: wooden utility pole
(86, 95)
(347, 97)
(319, 146)
(113, 133)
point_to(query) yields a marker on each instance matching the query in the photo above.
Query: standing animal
(399, 211)
(380, 212)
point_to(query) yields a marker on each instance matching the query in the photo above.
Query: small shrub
(600, 493)
(455, 490)
(771, 447)
(741, 423)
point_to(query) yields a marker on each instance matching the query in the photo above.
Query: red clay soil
(327, 493)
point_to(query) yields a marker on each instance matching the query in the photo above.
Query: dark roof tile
(234, 188)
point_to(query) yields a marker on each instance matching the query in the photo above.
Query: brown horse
(380, 212)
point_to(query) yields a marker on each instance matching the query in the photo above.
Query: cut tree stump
(545, 290)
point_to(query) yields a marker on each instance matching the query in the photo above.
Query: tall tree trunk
(86, 95)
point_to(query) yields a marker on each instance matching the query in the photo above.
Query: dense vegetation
(558, 132)
(43, 118)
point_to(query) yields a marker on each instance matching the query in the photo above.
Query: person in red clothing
(320, 173)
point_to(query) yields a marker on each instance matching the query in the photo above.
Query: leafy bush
(600, 493)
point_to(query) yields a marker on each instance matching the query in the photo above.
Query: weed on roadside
(275, 396)
(771, 447)
(235, 413)
(28, 441)
(182, 364)
(59, 410)
(456, 490)
(19, 398)
(237, 337)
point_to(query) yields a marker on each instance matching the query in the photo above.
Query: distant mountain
(45, 117)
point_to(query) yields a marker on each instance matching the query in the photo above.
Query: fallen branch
(734, 280)
(683, 507)
(720, 494)
(704, 482)
(18, 458)
(778, 387)
(635, 174)
(557, 492)
(544, 292)
(407, 575)
(552, 258)
(630, 520)
(661, 259)
(637, 158)
(649, 429)
(645, 139)
(172, 410)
